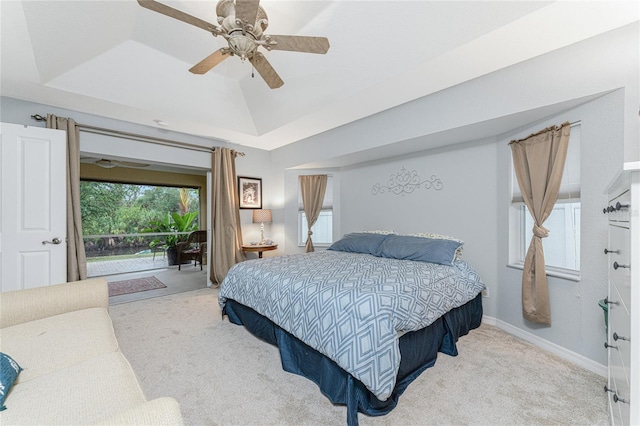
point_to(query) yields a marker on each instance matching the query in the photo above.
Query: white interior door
(33, 248)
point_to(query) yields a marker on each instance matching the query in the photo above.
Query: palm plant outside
(172, 222)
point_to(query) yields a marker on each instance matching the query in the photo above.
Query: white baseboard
(555, 349)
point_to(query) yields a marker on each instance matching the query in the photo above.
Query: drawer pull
(621, 206)
(607, 251)
(608, 302)
(616, 338)
(606, 345)
(616, 398)
(616, 265)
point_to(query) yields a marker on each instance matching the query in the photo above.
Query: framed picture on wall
(250, 191)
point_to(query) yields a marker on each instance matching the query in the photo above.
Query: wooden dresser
(623, 255)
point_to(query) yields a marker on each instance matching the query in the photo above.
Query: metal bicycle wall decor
(405, 182)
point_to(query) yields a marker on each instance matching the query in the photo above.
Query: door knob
(56, 240)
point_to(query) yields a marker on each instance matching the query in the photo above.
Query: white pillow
(436, 236)
(381, 232)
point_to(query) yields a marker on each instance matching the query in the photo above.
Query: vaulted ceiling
(119, 60)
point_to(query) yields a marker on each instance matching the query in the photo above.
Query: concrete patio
(122, 266)
(187, 279)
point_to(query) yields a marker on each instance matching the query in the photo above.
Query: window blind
(327, 203)
(570, 184)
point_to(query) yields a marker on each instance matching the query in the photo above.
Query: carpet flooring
(180, 346)
(117, 288)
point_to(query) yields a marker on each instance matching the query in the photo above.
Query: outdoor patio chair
(160, 247)
(192, 249)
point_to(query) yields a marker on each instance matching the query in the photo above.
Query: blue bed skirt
(418, 349)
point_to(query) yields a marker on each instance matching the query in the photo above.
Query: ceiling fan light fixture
(105, 164)
(242, 45)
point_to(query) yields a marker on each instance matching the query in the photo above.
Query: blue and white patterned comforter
(351, 306)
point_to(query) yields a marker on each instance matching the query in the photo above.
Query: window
(114, 217)
(323, 228)
(562, 246)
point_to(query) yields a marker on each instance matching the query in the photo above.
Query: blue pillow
(421, 249)
(9, 370)
(359, 242)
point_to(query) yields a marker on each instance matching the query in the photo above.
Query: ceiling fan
(110, 164)
(242, 24)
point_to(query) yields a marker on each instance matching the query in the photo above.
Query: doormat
(136, 285)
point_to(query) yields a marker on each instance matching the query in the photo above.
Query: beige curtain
(226, 244)
(539, 162)
(76, 257)
(312, 188)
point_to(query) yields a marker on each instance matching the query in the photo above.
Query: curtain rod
(136, 137)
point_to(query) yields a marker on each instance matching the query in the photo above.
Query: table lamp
(262, 216)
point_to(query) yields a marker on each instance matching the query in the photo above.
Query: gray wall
(465, 207)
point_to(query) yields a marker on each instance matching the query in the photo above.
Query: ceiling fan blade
(298, 43)
(210, 61)
(177, 14)
(266, 71)
(247, 10)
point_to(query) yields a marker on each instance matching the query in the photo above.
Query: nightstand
(258, 248)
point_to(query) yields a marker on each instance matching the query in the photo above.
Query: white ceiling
(119, 60)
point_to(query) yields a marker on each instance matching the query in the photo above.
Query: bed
(362, 319)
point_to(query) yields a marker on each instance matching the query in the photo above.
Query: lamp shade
(262, 216)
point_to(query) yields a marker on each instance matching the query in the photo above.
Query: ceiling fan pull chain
(252, 76)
